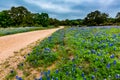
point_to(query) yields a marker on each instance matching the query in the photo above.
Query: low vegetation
(11, 30)
(77, 54)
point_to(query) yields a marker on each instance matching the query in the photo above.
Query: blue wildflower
(48, 72)
(96, 59)
(57, 71)
(73, 59)
(40, 78)
(93, 77)
(93, 51)
(114, 62)
(95, 70)
(47, 49)
(111, 45)
(67, 73)
(84, 78)
(48, 78)
(117, 76)
(18, 78)
(108, 65)
(114, 49)
(112, 56)
(99, 54)
(83, 75)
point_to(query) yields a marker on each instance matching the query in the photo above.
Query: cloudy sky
(65, 9)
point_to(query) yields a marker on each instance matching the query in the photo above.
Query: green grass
(11, 75)
(11, 30)
(79, 54)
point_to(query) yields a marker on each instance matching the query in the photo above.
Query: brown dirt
(14, 47)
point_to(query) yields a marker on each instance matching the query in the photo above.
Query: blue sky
(65, 9)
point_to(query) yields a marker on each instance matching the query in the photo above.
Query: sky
(65, 9)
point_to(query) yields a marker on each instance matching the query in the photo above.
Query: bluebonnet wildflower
(45, 73)
(18, 78)
(93, 77)
(95, 69)
(111, 45)
(56, 78)
(114, 49)
(48, 77)
(73, 59)
(40, 78)
(112, 56)
(82, 74)
(114, 62)
(84, 78)
(96, 59)
(99, 54)
(108, 65)
(67, 73)
(57, 71)
(93, 51)
(48, 72)
(114, 36)
(117, 76)
(47, 50)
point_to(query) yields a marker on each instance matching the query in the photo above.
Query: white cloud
(47, 5)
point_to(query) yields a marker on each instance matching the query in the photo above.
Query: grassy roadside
(9, 31)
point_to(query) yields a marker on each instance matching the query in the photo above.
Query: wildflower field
(77, 54)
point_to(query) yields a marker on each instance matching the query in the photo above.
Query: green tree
(18, 14)
(5, 20)
(44, 19)
(41, 19)
(95, 18)
(118, 17)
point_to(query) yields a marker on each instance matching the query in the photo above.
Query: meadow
(76, 54)
(12, 30)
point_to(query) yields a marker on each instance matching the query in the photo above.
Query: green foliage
(11, 75)
(43, 54)
(95, 18)
(8, 31)
(82, 53)
(20, 16)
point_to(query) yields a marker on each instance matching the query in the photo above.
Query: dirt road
(12, 43)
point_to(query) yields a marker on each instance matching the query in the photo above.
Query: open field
(79, 54)
(72, 54)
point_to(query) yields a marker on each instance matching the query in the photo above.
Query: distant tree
(18, 14)
(44, 19)
(28, 20)
(5, 19)
(55, 22)
(118, 17)
(41, 19)
(95, 18)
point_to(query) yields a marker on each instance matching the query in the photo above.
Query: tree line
(20, 16)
